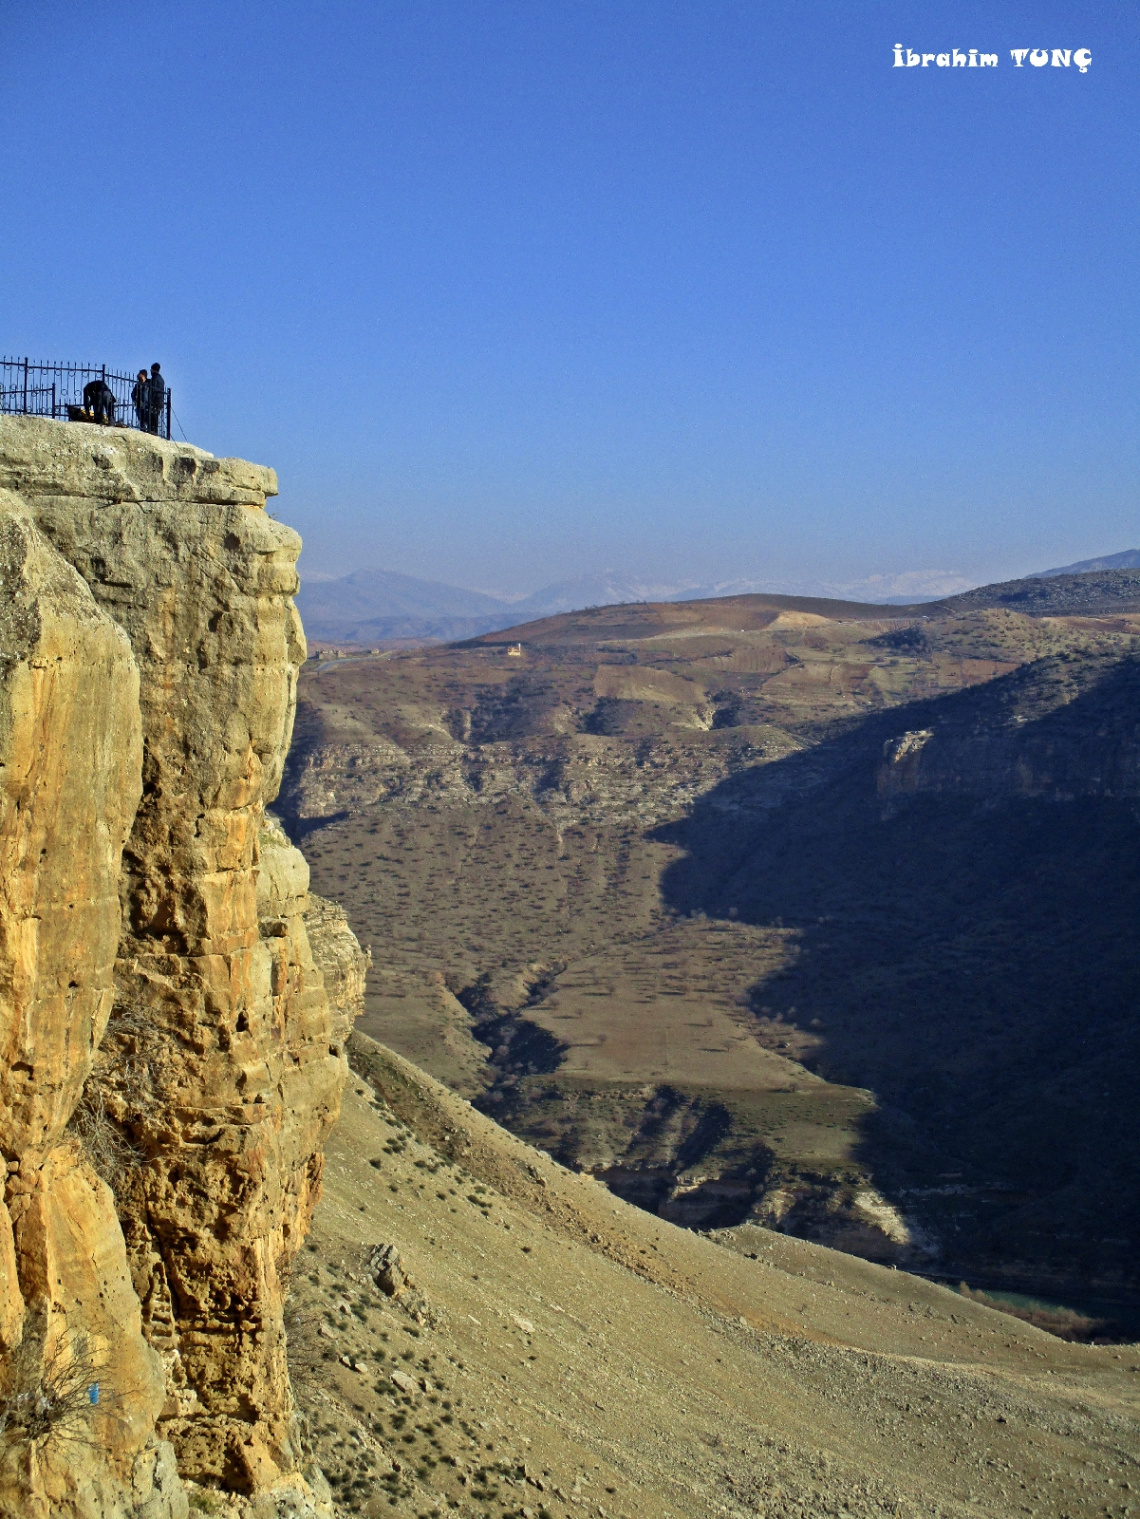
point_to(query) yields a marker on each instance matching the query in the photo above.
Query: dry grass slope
(560, 1353)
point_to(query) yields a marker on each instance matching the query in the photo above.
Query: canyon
(806, 914)
(750, 918)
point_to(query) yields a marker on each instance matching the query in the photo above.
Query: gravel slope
(558, 1352)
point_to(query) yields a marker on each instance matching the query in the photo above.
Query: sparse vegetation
(48, 1387)
(1064, 1323)
(110, 1152)
(654, 1390)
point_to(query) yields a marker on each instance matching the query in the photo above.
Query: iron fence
(56, 390)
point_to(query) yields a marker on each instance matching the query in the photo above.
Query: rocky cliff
(172, 1060)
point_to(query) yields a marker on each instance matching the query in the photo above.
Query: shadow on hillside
(970, 955)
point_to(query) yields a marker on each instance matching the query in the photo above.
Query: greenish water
(1019, 1300)
(1111, 1318)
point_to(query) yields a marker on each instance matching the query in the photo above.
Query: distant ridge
(1128, 560)
(373, 606)
(1091, 593)
(382, 593)
(380, 607)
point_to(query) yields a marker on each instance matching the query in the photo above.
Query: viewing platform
(64, 391)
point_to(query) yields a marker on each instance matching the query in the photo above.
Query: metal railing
(56, 390)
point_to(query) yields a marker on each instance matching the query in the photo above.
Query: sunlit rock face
(70, 780)
(149, 946)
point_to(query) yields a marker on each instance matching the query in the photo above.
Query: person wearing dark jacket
(140, 395)
(156, 398)
(99, 400)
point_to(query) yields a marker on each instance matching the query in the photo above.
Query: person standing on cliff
(140, 395)
(156, 397)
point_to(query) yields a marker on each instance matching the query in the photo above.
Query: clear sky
(693, 289)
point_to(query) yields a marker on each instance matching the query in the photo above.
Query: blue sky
(509, 292)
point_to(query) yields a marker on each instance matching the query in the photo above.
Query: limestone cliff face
(70, 762)
(218, 1061)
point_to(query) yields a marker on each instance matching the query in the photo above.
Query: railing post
(53, 400)
(169, 400)
(25, 386)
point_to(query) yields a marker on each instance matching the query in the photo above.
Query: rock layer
(220, 1072)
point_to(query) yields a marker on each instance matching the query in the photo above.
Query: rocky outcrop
(1093, 593)
(1058, 729)
(573, 778)
(340, 960)
(217, 1069)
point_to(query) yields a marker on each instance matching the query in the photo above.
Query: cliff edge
(172, 1059)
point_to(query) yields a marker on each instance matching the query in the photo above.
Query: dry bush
(124, 1081)
(45, 1393)
(1063, 1323)
(109, 1151)
(125, 1060)
(303, 1349)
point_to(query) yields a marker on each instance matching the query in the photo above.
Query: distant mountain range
(381, 607)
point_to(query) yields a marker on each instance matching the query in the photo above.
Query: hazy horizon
(914, 584)
(938, 582)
